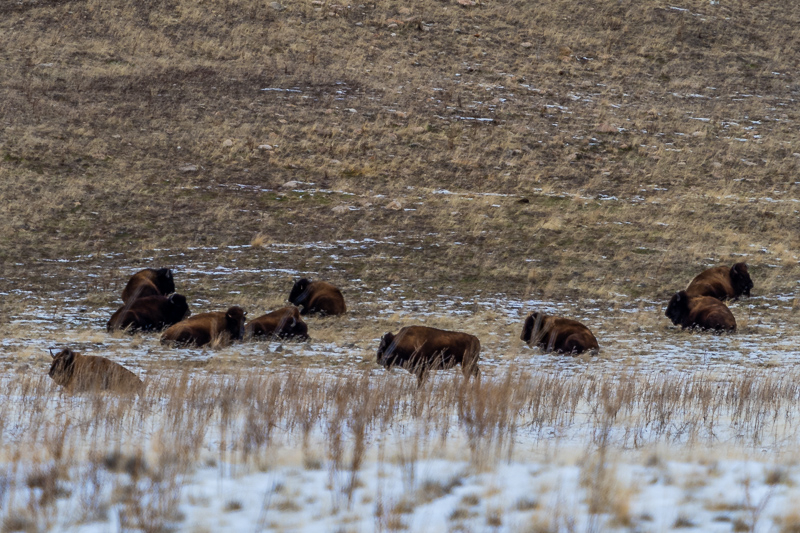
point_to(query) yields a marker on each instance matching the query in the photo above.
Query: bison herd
(150, 303)
(702, 304)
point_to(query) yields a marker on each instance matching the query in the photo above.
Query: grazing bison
(284, 322)
(150, 313)
(149, 282)
(722, 283)
(87, 373)
(206, 328)
(419, 349)
(317, 297)
(558, 334)
(702, 312)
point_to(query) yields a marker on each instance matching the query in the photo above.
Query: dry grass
(248, 416)
(103, 109)
(621, 155)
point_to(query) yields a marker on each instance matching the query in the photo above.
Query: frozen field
(663, 430)
(304, 451)
(633, 332)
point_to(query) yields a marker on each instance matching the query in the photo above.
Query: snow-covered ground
(534, 495)
(542, 488)
(664, 430)
(279, 451)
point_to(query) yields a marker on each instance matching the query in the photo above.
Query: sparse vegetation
(451, 163)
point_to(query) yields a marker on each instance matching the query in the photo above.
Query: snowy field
(663, 430)
(302, 451)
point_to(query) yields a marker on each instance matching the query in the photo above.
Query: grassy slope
(102, 103)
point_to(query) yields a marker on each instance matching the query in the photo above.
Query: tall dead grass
(239, 420)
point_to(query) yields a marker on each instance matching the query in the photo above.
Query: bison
(149, 282)
(558, 334)
(317, 297)
(87, 373)
(150, 313)
(722, 283)
(205, 328)
(419, 349)
(703, 312)
(284, 322)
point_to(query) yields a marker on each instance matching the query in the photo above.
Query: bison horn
(293, 322)
(51, 353)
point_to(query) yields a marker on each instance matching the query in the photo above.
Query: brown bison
(150, 313)
(87, 373)
(558, 334)
(149, 282)
(205, 328)
(703, 312)
(284, 322)
(317, 297)
(722, 283)
(419, 349)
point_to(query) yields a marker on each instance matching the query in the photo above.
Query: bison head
(289, 326)
(299, 291)
(295, 328)
(298, 329)
(385, 350)
(63, 366)
(740, 279)
(678, 307)
(164, 281)
(234, 322)
(532, 328)
(179, 309)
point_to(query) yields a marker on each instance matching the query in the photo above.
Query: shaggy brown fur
(703, 312)
(722, 283)
(317, 297)
(419, 349)
(205, 328)
(558, 334)
(149, 282)
(150, 313)
(284, 322)
(87, 373)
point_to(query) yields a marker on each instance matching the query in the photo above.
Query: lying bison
(149, 282)
(558, 334)
(317, 297)
(283, 323)
(722, 283)
(419, 349)
(703, 312)
(87, 373)
(150, 313)
(205, 328)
